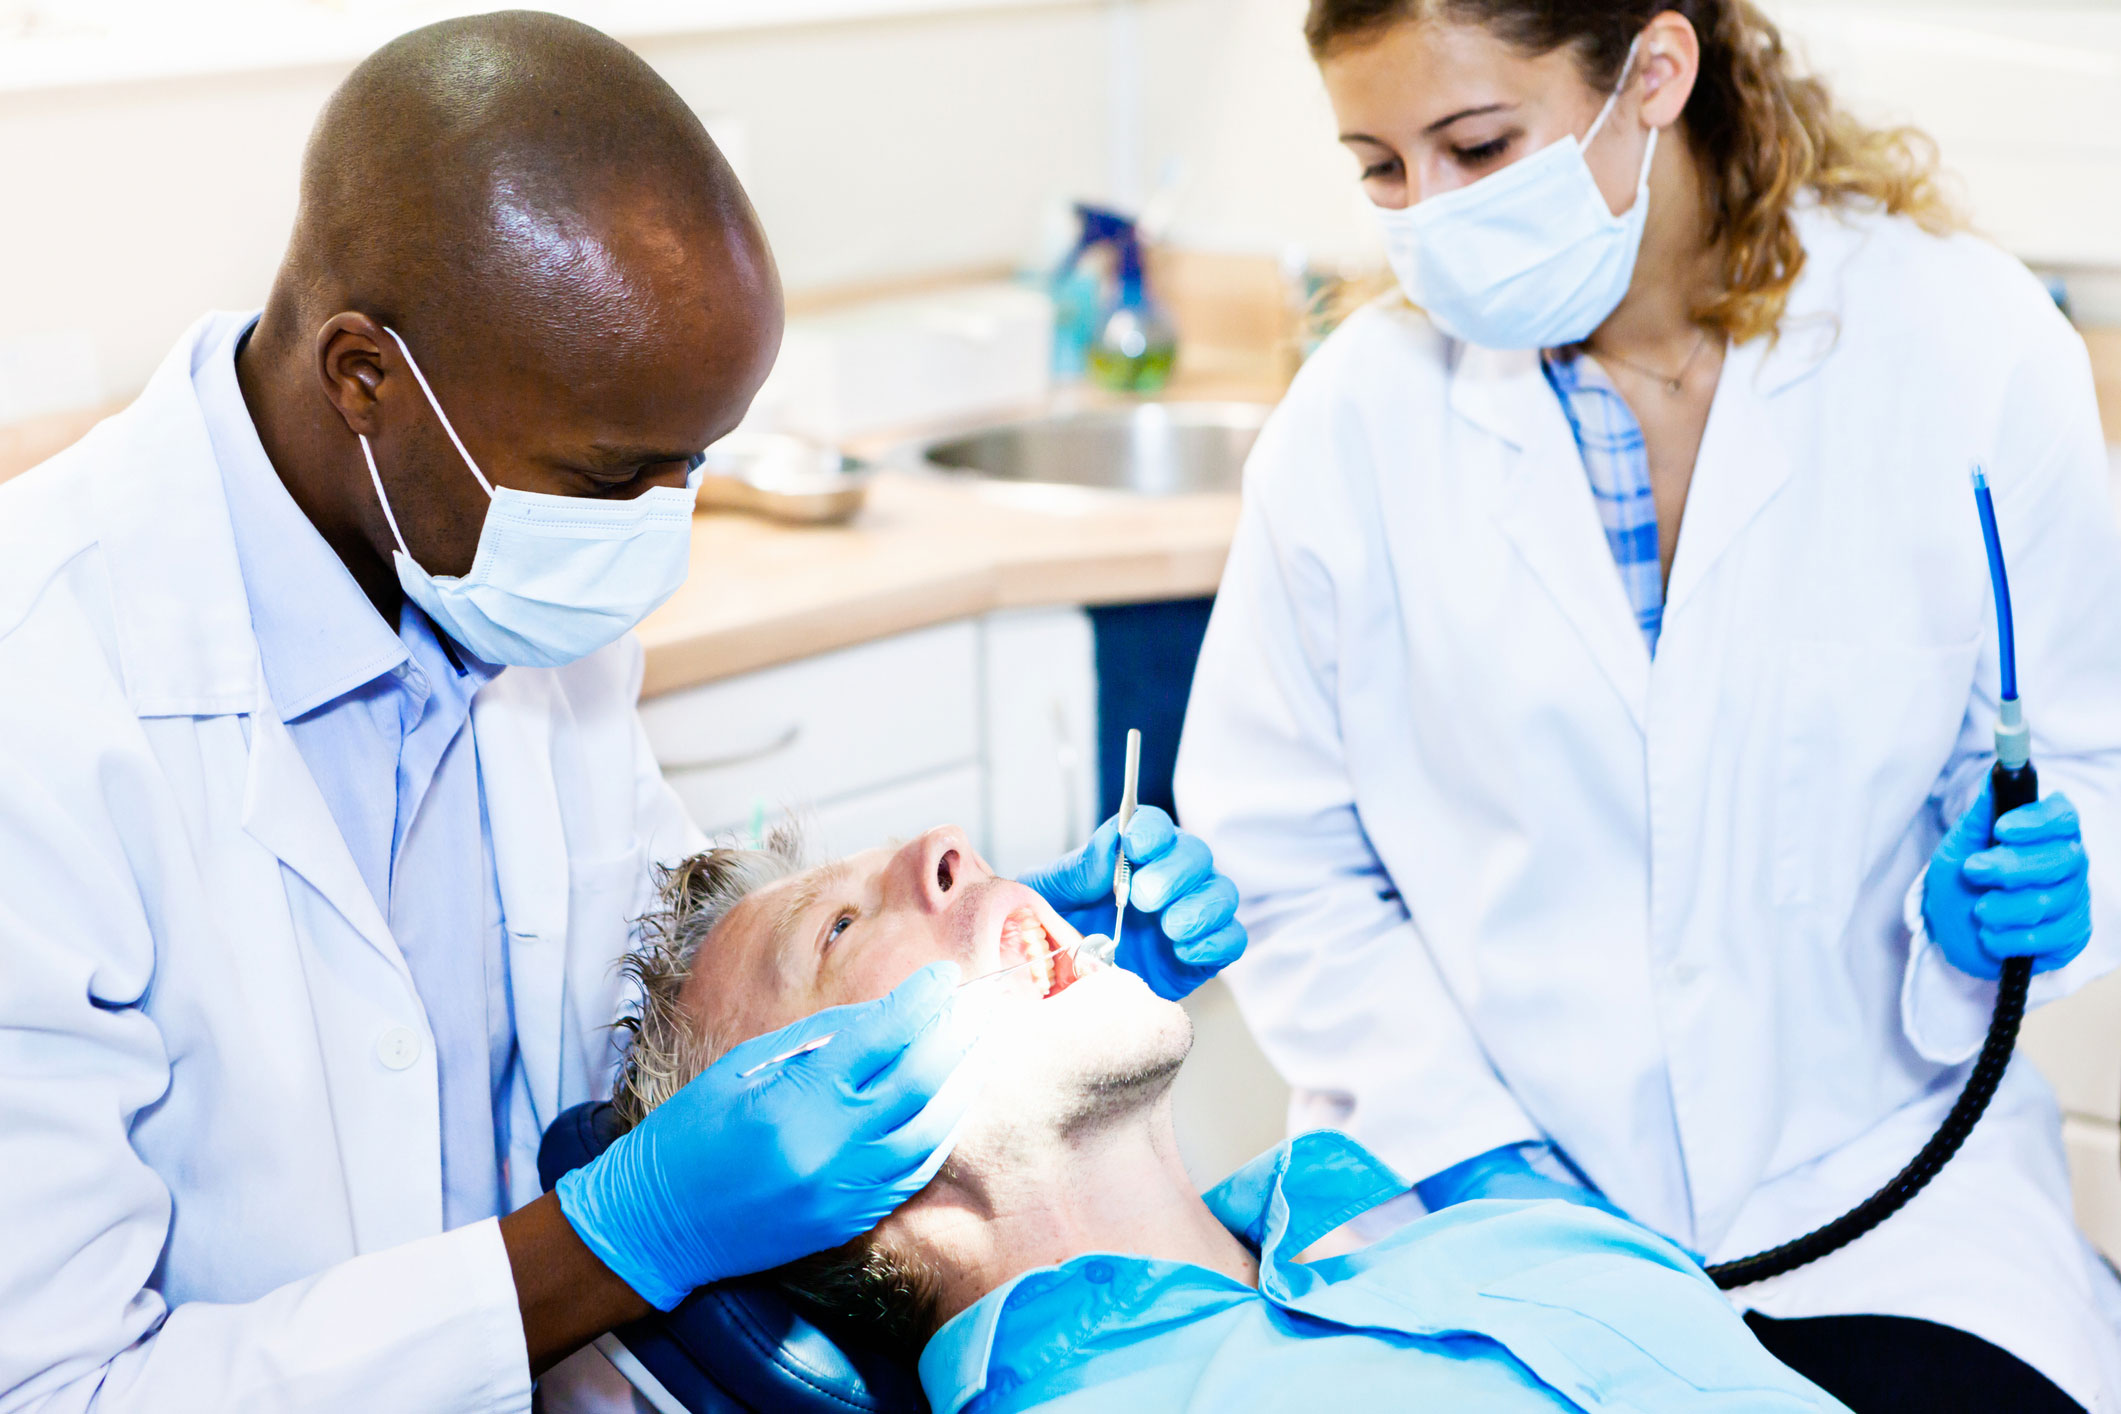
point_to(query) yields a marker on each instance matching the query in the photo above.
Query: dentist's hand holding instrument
(1176, 916)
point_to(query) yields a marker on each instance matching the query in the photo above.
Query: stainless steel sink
(1154, 449)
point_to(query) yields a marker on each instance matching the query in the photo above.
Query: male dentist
(324, 806)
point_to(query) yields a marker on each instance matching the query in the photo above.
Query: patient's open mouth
(1025, 939)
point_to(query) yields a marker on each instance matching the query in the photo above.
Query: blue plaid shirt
(1618, 465)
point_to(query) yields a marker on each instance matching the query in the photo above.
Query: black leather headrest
(741, 1346)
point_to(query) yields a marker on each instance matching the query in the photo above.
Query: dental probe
(1100, 948)
(815, 1043)
(1122, 873)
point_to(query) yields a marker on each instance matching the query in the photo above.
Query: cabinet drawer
(824, 728)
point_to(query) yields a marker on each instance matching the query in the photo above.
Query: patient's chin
(1102, 1047)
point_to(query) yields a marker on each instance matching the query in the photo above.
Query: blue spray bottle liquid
(1135, 346)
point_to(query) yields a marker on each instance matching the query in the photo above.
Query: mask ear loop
(1627, 69)
(441, 416)
(370, 457)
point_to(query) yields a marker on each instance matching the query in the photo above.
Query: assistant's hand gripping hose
(2013, 783)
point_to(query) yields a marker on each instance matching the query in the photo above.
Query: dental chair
(738, 1347)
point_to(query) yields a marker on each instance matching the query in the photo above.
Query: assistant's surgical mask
(555, 577)
(1528, 257)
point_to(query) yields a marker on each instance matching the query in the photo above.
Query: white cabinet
(1039, 692)
(2076, 1042)
(989, 724)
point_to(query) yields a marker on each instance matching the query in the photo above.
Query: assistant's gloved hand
(2026, 894)
(734, 1175)
(1182, 923)
(1508, 1173)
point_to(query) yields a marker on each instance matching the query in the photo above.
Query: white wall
(875, 149)
(1234, 104)
(2024, 99)
(892, 147)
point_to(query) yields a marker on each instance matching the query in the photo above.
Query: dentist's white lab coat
(1508, 878)
(220, 1172)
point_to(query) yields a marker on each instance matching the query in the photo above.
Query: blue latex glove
(1182, 923)
(734, 1175)
(2017, 887)
(1507, 1173)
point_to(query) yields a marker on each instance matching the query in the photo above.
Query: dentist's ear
(1669, 71)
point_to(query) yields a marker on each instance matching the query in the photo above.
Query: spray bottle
(1135, 346)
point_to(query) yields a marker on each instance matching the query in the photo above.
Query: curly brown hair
(1768, 137)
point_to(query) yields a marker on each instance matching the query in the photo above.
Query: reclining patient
(1061, 1258)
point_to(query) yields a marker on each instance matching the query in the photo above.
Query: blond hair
(666, 1045)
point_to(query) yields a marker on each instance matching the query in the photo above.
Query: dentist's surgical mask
(1528, 257)
(555, 577)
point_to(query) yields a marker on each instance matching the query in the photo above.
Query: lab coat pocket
(1865, 730)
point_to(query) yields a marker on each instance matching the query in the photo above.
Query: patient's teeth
(1041, 953)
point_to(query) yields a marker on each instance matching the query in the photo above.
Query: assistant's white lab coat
(220, 1168)
(1508, 878)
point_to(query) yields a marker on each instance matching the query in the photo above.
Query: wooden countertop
(926, 549)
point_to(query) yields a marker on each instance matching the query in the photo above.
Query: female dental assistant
(1595, 715)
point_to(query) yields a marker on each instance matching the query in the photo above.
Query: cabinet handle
(742, 758)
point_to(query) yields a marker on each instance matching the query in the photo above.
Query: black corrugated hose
(2011, 789)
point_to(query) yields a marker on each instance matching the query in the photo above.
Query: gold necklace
(1674, 383)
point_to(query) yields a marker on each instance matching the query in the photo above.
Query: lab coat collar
(317, 632)
(1741, 466)
(1544, 505)
(1542, 502)
(284, 810)
(1810, 330)
(512, 727)
(1489, 387)
(181, 617)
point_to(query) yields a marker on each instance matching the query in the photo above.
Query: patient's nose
(940, 862)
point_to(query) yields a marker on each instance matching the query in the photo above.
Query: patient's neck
(1025, 1200)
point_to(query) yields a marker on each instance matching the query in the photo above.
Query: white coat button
(1685, 974)
(398, 1047)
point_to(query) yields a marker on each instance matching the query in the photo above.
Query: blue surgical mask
(555, 577)
(1529, 257)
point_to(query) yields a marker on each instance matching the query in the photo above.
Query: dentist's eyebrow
(1441, 123)
(606, 454)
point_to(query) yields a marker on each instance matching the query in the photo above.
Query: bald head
(520, 169)
(552, 232)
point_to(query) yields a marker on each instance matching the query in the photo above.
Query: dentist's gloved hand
(1507, 1173)
(734, 1175)
(2017, 887)
(1182, 923)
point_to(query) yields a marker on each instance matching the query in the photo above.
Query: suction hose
(2013, 783)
